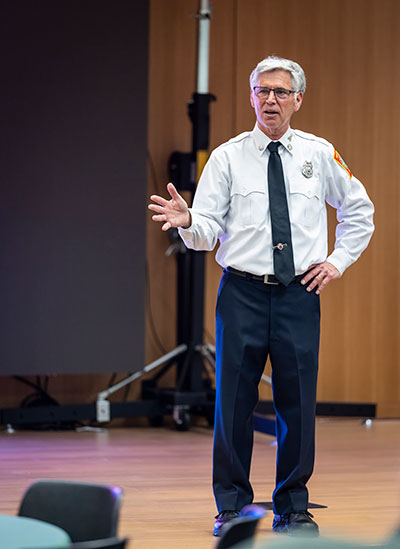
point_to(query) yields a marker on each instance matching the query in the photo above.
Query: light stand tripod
(193, 392)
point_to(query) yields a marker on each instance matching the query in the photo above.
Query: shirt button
(289, 147)
(260, 147)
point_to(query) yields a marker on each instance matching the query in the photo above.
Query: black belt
(266, 279)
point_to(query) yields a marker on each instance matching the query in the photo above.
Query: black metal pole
(191, 264)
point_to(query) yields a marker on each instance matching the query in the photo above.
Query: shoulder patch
(341, 162)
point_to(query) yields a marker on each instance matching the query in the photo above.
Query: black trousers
(254, 320)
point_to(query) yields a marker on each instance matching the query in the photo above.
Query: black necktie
(280, 222)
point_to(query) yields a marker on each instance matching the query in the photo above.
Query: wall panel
(171, 83)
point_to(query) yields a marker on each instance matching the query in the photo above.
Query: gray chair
(237, 530)
(86, 511)
(242, 528)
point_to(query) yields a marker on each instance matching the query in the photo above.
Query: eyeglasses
(279, 93)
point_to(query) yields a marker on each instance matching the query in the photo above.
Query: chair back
(237, 530)
(86, 511)
(109, 543)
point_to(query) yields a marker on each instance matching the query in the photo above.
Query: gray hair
(273, 63)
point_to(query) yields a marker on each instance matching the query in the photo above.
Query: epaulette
(235, 139)
(312, 137)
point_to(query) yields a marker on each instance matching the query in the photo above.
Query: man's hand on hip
(320, 276)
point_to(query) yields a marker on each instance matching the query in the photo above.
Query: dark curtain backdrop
(73, 114)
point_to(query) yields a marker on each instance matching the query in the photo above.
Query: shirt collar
(262, 141)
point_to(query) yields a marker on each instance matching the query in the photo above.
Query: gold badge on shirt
(307, 170)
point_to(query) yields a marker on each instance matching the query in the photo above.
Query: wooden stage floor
(165, 476)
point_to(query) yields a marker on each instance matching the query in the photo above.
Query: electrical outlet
(102, 410)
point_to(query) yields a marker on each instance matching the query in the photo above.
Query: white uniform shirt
(231, 204)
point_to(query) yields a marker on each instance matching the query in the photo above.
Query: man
(263, 195)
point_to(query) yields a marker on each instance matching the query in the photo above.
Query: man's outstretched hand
(172, 213)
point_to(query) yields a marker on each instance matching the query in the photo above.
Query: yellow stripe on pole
(201, 159)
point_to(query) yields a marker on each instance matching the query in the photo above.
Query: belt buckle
(268, 281)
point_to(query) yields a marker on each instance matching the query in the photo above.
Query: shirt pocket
(306, 202)
(248, 203)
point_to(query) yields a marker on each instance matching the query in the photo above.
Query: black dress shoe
(222, 518)
(296, 523)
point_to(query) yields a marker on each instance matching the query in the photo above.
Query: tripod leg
(162, 360)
